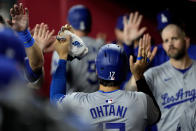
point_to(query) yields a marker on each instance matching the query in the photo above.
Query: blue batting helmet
(11, 46)
(111, 63)
(79, 18)
(9, 71)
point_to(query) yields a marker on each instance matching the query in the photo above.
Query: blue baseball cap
(119, 24)
(9, 71)
(163, 19)
(79, 17)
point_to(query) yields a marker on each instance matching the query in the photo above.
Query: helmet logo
(111, 76)
(163, 18)
(82, 26)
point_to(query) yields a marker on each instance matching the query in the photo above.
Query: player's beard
(175, 53)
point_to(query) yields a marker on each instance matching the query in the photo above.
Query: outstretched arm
(20, 23)
(58, 85)
(144, 57)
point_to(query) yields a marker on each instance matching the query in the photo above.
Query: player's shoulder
(135, 94)
(194, 62)
(157, 69)
(91, 42)
(75, 96)
(88, 40)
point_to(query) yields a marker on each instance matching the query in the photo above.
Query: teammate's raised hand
(131, 27)
(44, 37)
(20, 17)
(144, 57)
(62, 47)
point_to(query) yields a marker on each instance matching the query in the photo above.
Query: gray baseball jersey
(188, 119)
(116, 110)
(173, 92)
(81, 74)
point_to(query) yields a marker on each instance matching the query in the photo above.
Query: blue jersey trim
(184, 70)
(108, 91)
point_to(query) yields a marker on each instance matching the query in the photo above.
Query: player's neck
(183, 63)
(108, 88)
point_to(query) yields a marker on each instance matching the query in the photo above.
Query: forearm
(58, 84)
(142, 86)
(36, 59)
(34, 53)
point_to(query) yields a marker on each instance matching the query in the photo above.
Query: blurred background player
(20, 23)
(21, 108)
(81, 73)
(34, 47)
(110, 107)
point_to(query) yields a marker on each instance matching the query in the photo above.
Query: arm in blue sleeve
(129, 50)
(31, 75)
(58, 85)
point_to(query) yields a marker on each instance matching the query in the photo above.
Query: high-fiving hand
(44, 37)
(20, 17)
(62, 46)
(145, 56)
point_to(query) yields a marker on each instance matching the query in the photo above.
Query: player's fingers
(142, 30)
(36, 29)
(44, 31)
(135, 17)
(140, 49)
(125, 21)
(139, 20)
(148, 44)
(71, 29)
(16, 9)
(130, 18)
(12, 12)
(50, 34)
(21, 9)
(26, 12)
(153, 53)
(40, 30)
(46, 34)
(46, 26)
(131, 63)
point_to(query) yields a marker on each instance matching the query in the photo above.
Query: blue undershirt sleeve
(31, 75)
(58, 84)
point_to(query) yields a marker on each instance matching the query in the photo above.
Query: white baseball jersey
(116, 110)
(188, 119)
(173, 92)
(81, 74)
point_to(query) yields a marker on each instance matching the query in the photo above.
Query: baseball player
(173, 83)
(81, 73)
(187, 121)
(109, 108)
